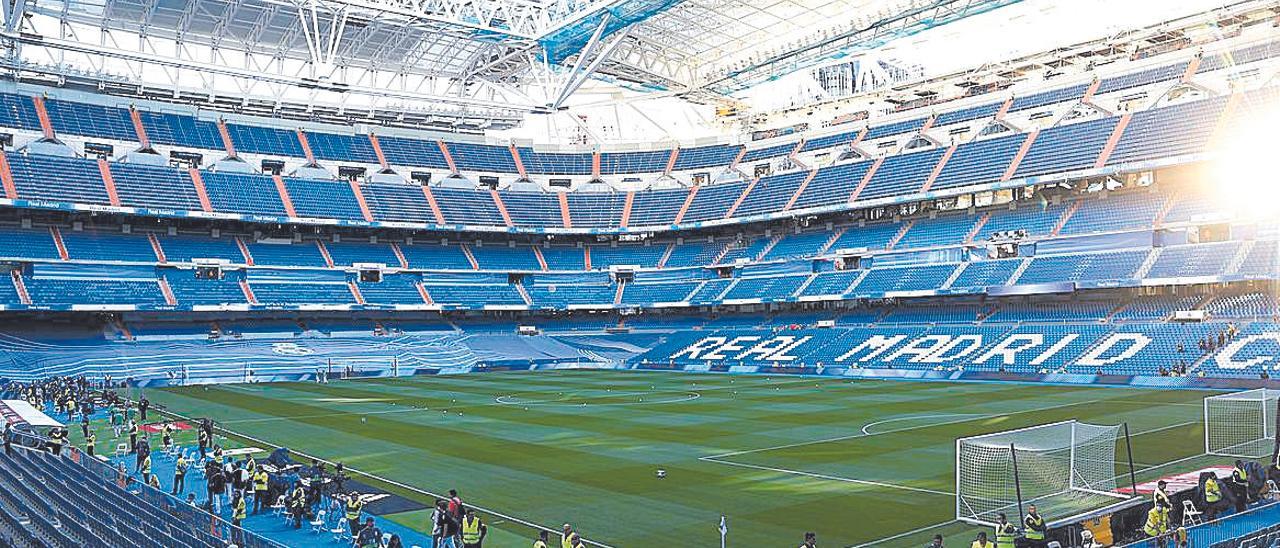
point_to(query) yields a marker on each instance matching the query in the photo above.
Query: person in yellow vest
(90, 443)
(1033, 528)
(577, 541)
(55, 442)
(354, 507)
(1160, 497)
(1239, 484)
(1006, 533)
(298, 505)
(541, 541)
(982, 542)
(566, 537)
(1157, 525)
(260, 484)
(1213, 502)
(473, 530)
(146, 469)
(238, 510)
(180, 474)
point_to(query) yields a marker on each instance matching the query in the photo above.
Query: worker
(237, 509)
(369, 536)
(1005, 532)
(541, 541)
(145, 469)
(1033, 528)
(982, 542)
(1239, 485)
(566, 536)
(354, 508)
(260, 483)
(1157, 524)
(1160, 497)
(133, 437)
(90, 443)
(179, 474)
(1212, 496)
(473, 530)
(298, 505)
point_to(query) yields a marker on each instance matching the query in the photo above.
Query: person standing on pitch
(1005, 533)
(473, 530)
(1033, 528)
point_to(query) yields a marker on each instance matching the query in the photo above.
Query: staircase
(741, 198)
(524, 294)
(1169, 202)
(856, 281)
(167, 291)
(1112, 141)
(395, 248)
(901, 234)
(244, 250)
(1241, 255)
(155, 247)
(21, 287)
(727, 289)
(954, 275)
(422, 292)
(723, 251)
(57, 242)
(466, 250)
(617, 294)
(662, 262)
(1066, 216)
(835, 237)
(977, 227)
(285, 199)
(684, 208)
(248, 292)
(227, 144)
(800, 290)
(695, 291)
(108, 182)
(1148, 262)
(542, 261)
(1017, 273)
(355, 292)
(768, 247)
(324, 252)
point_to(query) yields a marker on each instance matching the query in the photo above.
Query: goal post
(348, 367)
(1067, 469)
(1241, 424)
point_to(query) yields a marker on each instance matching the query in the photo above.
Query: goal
(1241, 424)
(1066, 469)
(342, 368)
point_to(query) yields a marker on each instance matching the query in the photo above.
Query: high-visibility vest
(239, 511)
(180, 466)
(133, 430)
(1161, 498)
(354, 507)
(299, 498)
(1157, 522)
(1240, 476)
(979, 544)
(1212, 493)
(471, 530)
(146, 465)
(1005, 534)
(565, 542)
(539, 544)
(1034, 524)
(260, 481)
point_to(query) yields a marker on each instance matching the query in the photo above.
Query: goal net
(342, 368)
(1241, 424)
(1066, 469)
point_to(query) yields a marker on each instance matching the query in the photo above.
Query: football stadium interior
(638, 273)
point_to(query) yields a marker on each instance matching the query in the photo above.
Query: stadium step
(977, 227)
(502, 208)
(6, 178)
(742, 151)
(355, 292)
(1004, 108)
(1242, 254)
(524, 294)
(46, 125)
(803, 286)
(377, 150)
(285, 199)
(954, 275)
(1221, 127)
(671, 161)
(108, 182)
(595, 165)
(167, 291)
(395, 248)
(249, 297)
(448, 158)
(433, 204)
(1192, 68)
(800, 189)
(57, 242)
(794, 156)
(122, 328)
(244, 250)
(324, 252)
(901, 234)
(727, 289)
(157, 248)
(741, 198)
(1148, 262)
(937, 169)
(515, 157)
(666, 255)
(1088, 93)
(139, 129)
(1017, 272)
(773, 241)
(422, 292)
(684, 208)
(306, 147)
(696, 288)
(566, 219)
(1022, 153)
(1066, 216)
(856, 281)
(20, 287)
(617, 293)
(1113, 140)
(866, 178)
(626, 209)
(227, 144)
(835, 237)
(1166, 207)
(723, 251)
(586, 257)
(471, 258)
(360, 201)
(542, 261)
(201, 192)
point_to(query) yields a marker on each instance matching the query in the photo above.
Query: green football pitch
(857, 461)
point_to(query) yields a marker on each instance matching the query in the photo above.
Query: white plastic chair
(278, 507)
(318, 525)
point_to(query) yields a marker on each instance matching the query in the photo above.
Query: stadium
(635, 273)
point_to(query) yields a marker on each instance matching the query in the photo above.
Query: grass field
(856, 461)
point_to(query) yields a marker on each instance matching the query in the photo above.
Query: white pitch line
(867, 427)
(833, 478)
(894, 431)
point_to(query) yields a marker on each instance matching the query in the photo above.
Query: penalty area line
(830, 477)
